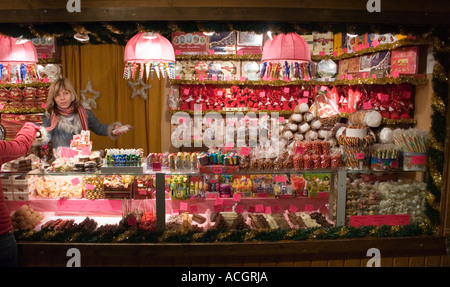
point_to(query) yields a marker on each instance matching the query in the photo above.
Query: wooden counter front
(424, 251)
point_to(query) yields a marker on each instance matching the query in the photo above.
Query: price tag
(334, 53)
(237, 197)
(367, 105)
(281, 119)
(267, 210)
(375, 43)
(2, 106)
(193, 209)
(211, 51)
(259, 208)
(219, 201)
(276, 208)
(239, 208)
(360, 155)
(227, 78)
(186, 92)
(293, 209)
(308, 207)
(177, 52)
(245, 150)
(395, 74)
(211, 194)
(342, 77)
(374, 76)
(280, 178)
(322, 53)
(418, 159)
(214, 78)
(201, 77)
(286, 79)
(286, 90)
(43, 105)
(75, 181)
(177, 77)
(349, 77)
(300, 150)
(242, 79)
(156, 166)
(183, 206)
(303, 100)
(89, 186)
(240, 52)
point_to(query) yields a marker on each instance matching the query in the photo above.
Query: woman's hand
(119, 130)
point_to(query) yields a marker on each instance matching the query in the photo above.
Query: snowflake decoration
(91, 102)
(142, 92)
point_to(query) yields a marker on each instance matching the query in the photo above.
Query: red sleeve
(20, 145)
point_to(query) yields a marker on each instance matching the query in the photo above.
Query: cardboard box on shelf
(249, 43)
(190, 43)
(223, 43)
(323, 44)
(380, 64)
(404, 60)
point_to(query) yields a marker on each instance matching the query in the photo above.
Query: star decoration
(91, 102)
(142, 92)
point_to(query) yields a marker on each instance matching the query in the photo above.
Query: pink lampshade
(286, 47)
(10, 52)
(142, 48)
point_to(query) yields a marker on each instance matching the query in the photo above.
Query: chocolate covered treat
(239, 223)
(198, 218)
(221, 223)
(281, 221)
(320, 219)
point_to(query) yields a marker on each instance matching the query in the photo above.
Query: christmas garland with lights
(438, 131)
(136, 235)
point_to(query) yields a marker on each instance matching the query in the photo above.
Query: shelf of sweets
(24, 85)
(284, 113)
(381, 47)
(335, 56)
(389, 80)
(219, 57)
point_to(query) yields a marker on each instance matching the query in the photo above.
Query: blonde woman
(66, 116)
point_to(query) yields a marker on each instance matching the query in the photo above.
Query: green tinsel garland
(220, 235)
(438, 126)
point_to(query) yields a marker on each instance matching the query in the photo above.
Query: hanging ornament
(91, 102)
(142, 92)
(150, 47)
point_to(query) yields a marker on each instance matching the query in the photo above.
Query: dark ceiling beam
(430, 13)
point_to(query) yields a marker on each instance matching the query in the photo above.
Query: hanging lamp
(286, 57)
(17, 60)
(148, 53)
